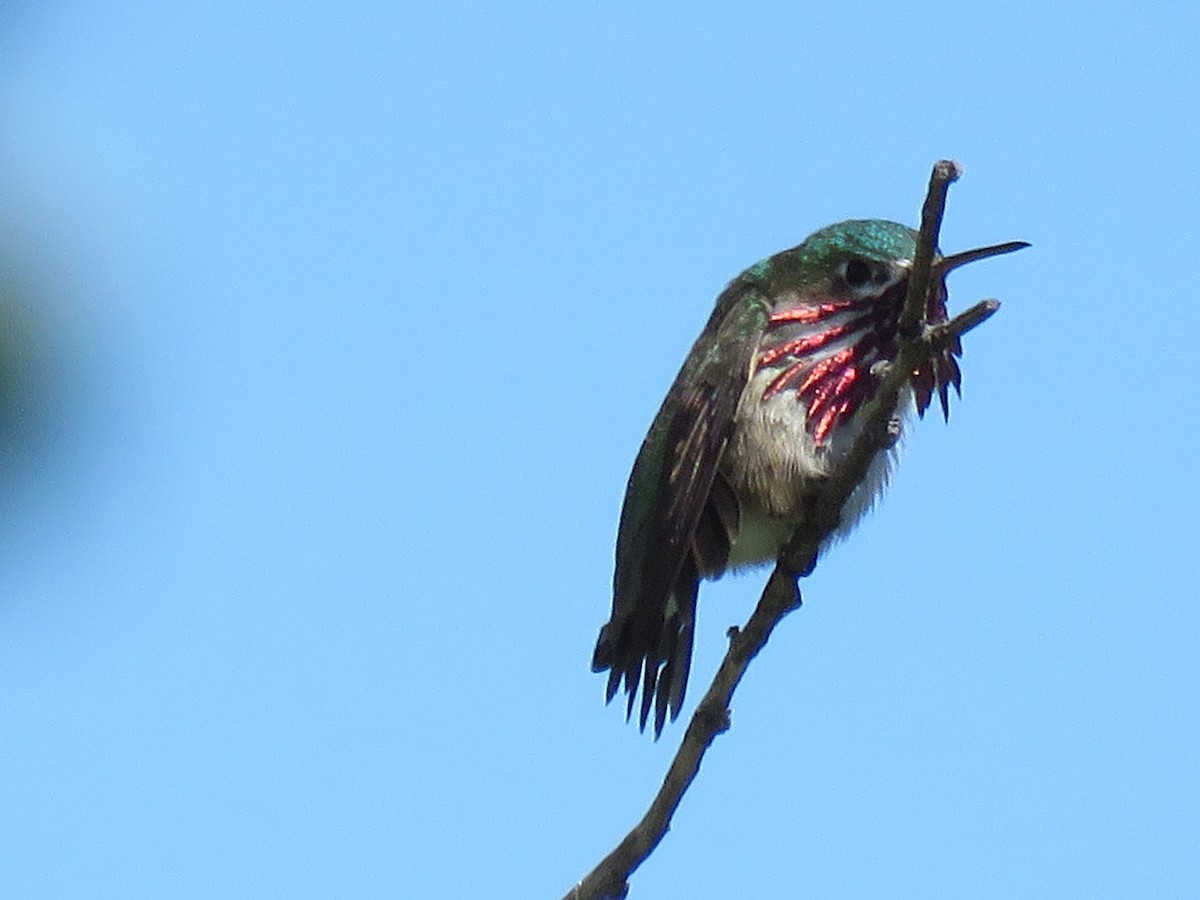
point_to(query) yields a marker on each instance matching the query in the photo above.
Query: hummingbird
(766, 404)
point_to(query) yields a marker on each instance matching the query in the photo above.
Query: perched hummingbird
(767, 402)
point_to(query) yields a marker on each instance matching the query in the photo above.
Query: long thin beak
(947, 263)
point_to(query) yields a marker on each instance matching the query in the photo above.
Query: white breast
(773, 465)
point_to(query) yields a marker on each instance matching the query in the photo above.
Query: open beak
(948, 263)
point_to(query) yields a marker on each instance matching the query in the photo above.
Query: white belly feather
(773, 465)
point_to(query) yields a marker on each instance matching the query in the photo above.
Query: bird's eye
(857, 272)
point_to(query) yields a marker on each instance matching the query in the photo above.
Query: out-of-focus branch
(918, 343)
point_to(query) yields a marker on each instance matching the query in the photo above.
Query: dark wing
(679, 516)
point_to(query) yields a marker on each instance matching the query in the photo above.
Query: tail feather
(647, 647)
(652, 657)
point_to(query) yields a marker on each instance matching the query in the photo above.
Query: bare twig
(918, 343)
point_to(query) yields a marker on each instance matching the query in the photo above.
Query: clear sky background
(351, 319)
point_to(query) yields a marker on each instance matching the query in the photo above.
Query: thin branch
(918, 343)
(945, 173)
(941, 335)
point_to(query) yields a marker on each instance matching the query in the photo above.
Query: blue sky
(351, 320)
